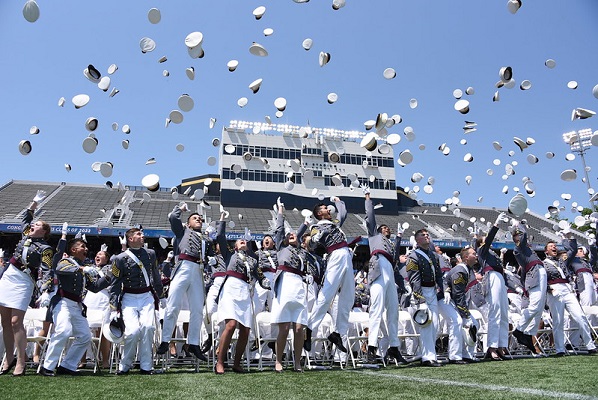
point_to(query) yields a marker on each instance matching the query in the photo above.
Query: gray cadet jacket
(424, 272)
(290, 258)
(332, 235)
(577, 265)
(380, 245)
(528, 260)
(128, 277)
(191, 245)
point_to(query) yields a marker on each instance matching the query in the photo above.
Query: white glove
(447, 298)
(309, 279)
(279, 203)
(408, 290)
(162, 303)
(84, 238)
(247, 235)
(400, 229)
(591, 242)
(561, 234)
(503, 250)
(122, 240)
(183, 206)
(258, 244)
(519, 290)
(2, 253)
(44, 300)
(317, 236)
(65, 228)
(365, 189)
(104, 247)
(500, 218)
(40, 195)
(114, 315)
(308, 220)
(90, 271)
(212, 261)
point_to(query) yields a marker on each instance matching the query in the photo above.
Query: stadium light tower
(579, 141)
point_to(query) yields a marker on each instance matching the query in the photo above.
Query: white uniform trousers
(588, 297)
(531, 315)
(428, 333)
(383, 296)
(262, 296)
(188, 280)
(339, 274)
(68, 322)
(211, 304)
(498, 310)
(560, 299)
(139, 317)
(454, 323)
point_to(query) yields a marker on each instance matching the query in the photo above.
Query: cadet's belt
(383, 253)
(238, 275)
(557, 280)
(69, 295)
(336, 246)
(268, 269)
(187, 257)
(579, 271)
(217, 274)
(137, 290)
(428, 284)
(291, 270)
(18, 264)
(532, 264)
(470, 285)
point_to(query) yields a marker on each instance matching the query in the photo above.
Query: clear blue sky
(434, 46)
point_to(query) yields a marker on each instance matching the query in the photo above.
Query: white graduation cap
(190, 73)
(175, 116)
(80, 100)
(34, 130)
(324, 58)
(104, 83)
(389, 73)
(505, 73)
(113, 92)
(194, 40)
(280, 103)
(61, 102)
(581, 113)
(255, 85)
(338, 4)
(25, 147)
(106, 169)
(151, 182)
(154, 16)
(569, 175)
(242, 102)
(525, 85)
(307, 43)
(150, 161)
(90, 144)
(185, 103)
(91, 124)
(147, 45)
(258, 50)
(258, 13)
(232, 65)
(462, 106)
(31, 11)
(332, 98)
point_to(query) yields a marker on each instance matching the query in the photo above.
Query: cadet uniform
(495, 291)
(457, 283)
(31, 259)
(268, 261)
(583, 270)
(288, 287)
(381, 280)
(533, 276)
(339, 274)
(560, 298)
(68, 314)
(186, 279)
(425, 278)
(136, 281)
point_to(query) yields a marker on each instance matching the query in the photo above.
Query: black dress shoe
(337, 340)
(162, 349)
(393, 352)
(592, 352)
(458, 362)
(492, 355)
(307, 342)
(559, 354)
(207, 344)
(239, 370)
(46, 372)
(65, 371)
(10, 367)
(149, 372)
(471, 360)
(431, 363)
(196, 351)
(121, 372)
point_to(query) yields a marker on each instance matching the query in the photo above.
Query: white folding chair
(358, 322)
(320, 355)
(95, 319)
(408, 335)
(266, 333)
(33, 322)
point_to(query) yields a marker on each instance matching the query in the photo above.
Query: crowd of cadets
(299, 277)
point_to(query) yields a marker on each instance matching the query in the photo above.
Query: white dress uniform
(136, 280)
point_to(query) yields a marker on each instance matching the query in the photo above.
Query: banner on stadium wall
(166, 233)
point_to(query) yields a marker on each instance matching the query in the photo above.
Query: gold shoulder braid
(115, 270)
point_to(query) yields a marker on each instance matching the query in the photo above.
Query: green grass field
(572, 377)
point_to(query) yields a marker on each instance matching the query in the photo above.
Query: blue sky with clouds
(434, 46)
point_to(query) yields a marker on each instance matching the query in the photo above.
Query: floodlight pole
(582, 152)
